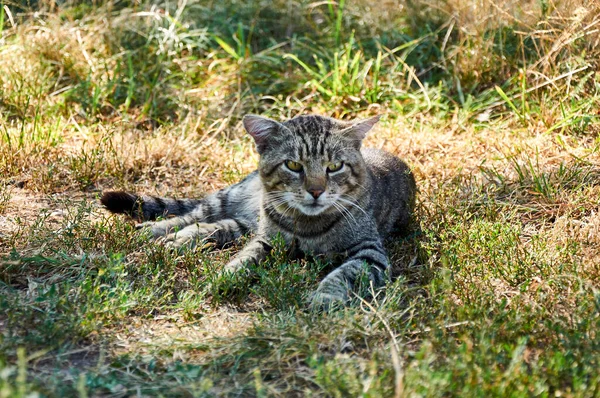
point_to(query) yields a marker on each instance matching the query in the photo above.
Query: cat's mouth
(312, 209)
(308, 207)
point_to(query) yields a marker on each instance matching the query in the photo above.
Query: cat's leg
(167, 226)
(254, 252)
(208, 210)
(239, 201)
(220, 232)
(368, 257)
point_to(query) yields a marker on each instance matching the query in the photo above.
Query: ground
(494, 105)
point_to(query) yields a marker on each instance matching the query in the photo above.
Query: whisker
(277, 203)
(362, 186)
(335, 205)
(287, 210)
(342, 211)
(353, 204)
(348, 212)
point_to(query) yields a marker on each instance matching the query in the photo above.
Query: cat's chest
(323, 244)
(321, 236)
(316, 246)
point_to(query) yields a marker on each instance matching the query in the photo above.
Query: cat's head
(311, 164)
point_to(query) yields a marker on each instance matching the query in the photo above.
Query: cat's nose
(315, 193)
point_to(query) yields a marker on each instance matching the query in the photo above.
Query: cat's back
(392, 191)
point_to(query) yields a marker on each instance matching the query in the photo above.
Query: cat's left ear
(358, 130)
(260, 128)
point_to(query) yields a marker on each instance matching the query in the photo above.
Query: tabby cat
(314, 187)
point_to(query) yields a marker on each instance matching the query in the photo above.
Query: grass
(493, 104)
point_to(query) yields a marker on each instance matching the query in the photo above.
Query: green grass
(493, 105)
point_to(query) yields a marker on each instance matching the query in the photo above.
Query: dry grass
(494, 104)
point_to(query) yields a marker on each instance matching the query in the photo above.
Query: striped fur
(153, 207)
(343, 200)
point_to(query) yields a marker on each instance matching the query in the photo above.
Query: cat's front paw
(331, 294)
(154, 229)
(177, 242)
(190, 237)
(236, 265)
(324, 301)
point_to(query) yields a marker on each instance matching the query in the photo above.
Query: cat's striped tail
(144, 207)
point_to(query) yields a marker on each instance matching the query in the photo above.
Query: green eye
(333, 167)
(294, 166)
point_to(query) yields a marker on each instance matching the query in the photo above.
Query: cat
(314, 186)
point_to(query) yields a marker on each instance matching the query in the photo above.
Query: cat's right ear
(260, 128)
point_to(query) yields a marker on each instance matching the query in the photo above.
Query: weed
(5, 196)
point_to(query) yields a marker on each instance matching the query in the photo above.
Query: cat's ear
(260, 128)
(358, 130)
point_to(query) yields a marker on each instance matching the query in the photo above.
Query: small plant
(14, 378)
(345, 78)
(87, 166)
(5, 196)
(336, 14)
(242, 41)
